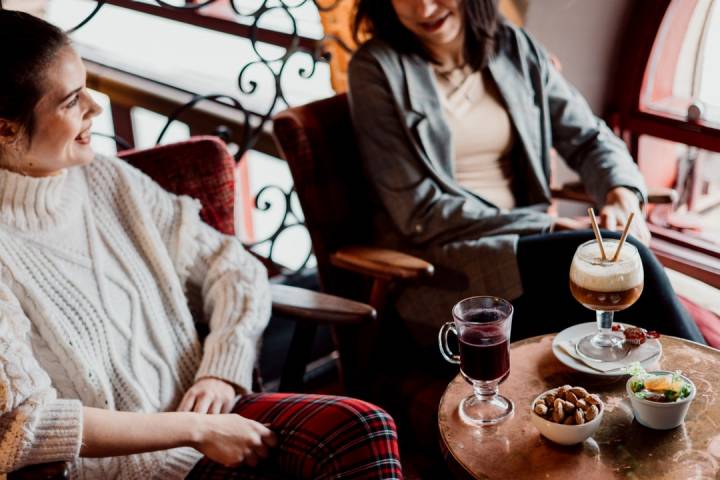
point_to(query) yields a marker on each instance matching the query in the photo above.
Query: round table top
(620, 448)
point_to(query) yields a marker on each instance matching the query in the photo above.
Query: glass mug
(482, 325)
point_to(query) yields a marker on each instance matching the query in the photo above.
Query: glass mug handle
(443, 342)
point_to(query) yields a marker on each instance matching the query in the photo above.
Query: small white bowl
(658, 415)
(565, 434)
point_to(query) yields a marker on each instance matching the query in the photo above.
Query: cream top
(482, 134)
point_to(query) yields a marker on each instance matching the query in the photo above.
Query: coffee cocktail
(605, 286)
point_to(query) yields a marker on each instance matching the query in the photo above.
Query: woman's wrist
(196, 425)
(624, 196)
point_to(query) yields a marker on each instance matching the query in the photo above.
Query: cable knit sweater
(95, 264)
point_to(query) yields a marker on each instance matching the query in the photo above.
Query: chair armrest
(575, 191)
(381, 263)
(664, 196)
(303, 304)
(42, 471)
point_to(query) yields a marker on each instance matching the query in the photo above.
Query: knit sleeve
(35, 426)
(236, 303)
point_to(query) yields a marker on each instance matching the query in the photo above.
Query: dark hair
(33, 45)
(378, 18)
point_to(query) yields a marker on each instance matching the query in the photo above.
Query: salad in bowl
(659, 399)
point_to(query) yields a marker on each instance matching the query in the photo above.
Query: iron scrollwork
(292, 42)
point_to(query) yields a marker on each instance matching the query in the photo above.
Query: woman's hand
(232, 440)
(619, 203)
(208, 395)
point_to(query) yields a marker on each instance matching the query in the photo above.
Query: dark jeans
(548, 306)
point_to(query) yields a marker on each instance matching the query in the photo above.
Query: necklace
(456, 79)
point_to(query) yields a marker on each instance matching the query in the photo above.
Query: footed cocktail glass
(606, 287)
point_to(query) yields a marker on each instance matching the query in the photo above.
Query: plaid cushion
(321, 437)
(201, 168)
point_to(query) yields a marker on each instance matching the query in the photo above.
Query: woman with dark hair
(100, 362)
(456, 112)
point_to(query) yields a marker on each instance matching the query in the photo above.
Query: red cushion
(200, 167)
(707, 321)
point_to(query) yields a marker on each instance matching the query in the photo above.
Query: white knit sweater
(95, 264)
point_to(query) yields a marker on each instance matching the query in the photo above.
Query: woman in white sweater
(100, 362)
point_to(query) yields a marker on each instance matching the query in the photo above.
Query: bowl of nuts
(567, 415)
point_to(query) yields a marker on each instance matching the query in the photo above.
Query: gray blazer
(407, 151)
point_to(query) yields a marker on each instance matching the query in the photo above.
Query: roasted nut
(541, 409)
(558, 411)
(568, 407)
(579, 417)
(579, 392)
(562, 391)
(591, 412)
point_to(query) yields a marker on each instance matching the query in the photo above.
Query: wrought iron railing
(241, 18)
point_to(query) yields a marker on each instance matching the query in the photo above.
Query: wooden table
(621, 448)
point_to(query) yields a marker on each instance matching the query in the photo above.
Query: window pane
(197, 59)
(710, 67)
(684, 69)
(695, 174)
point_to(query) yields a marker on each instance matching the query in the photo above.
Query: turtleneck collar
(37, 203)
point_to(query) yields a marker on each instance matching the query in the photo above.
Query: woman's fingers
(216, 406)
(202, 404)
(251, 459)
(608, 219)
(228, 405)
(187, 403)
(262, 451)
(268, 437)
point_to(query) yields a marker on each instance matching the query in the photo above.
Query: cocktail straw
(624, 235)
(596, 230)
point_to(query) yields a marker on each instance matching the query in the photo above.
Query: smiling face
(62, 120)
(438, 24)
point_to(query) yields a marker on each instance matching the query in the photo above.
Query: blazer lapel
(525, 116)
(423, 115)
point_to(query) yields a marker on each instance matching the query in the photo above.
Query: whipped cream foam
(590, 272)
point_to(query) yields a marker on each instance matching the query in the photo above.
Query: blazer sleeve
(419, 208)
(585, 141)
(35, 426)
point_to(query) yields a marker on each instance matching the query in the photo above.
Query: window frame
(630, 119)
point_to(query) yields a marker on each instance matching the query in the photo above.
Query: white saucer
(582, 329)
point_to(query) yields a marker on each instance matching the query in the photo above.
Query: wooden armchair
(379, 360)
(203, 168)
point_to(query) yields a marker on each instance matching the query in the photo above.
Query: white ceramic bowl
(658, 415)
(565, 434)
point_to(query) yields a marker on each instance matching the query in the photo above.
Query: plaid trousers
(321, 437)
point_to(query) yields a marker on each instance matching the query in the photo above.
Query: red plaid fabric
(202, 168)
(321, 437)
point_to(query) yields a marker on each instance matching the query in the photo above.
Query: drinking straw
(596, 230)
(624, 235)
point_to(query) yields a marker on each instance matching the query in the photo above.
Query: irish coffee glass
(482, 325)
(605, 287)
